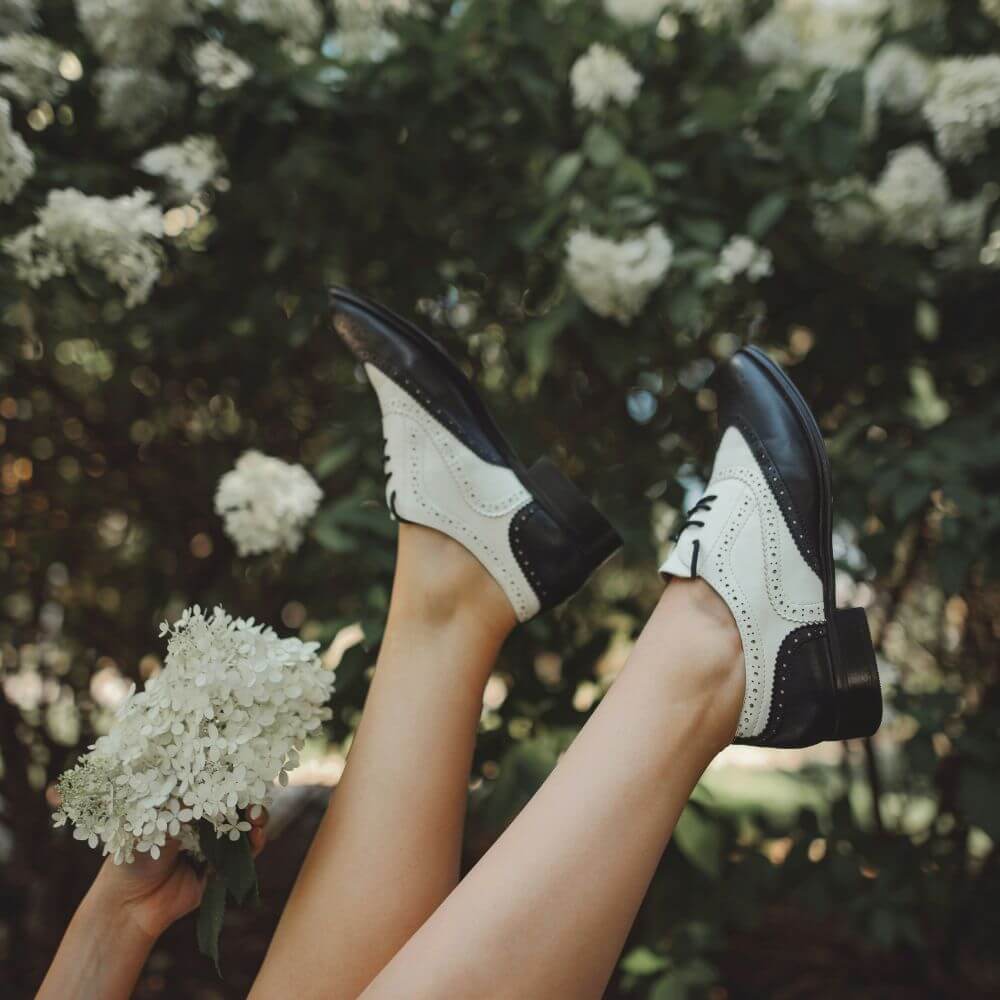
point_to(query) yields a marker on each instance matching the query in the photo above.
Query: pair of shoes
(761, 536)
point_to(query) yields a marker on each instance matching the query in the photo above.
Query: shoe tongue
(679, 561)
(727, 493)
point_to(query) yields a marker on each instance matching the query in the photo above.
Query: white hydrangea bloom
(265, 503)
(203, 742)
(615, 278)
(741, 255)
(117, 236)
(991, 8)
(17, 163)
(300, 20)
(133, 32)
(844, 212)
(964, 105)
(906, 14)
(963, 225)
(32, 69)
(989, 256)
(634, 12)
(911, 195)
(135, 101)
(189, 166)
(797, 36)
(602, 75)
(219, 68)
(710, 13)
(362, 35)
(899, 78)
(772, 41)
(18, 15)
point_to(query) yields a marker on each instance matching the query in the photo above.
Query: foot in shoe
(761, 536)
(450, 468)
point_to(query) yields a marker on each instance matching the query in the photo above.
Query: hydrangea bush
(590, 203)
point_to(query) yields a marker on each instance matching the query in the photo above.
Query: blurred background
(589, 231)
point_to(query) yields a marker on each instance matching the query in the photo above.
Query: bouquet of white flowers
(196, 752)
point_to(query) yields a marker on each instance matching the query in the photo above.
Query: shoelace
(388, 476)
(703, 505)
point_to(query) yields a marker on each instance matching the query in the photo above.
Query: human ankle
(692, 634)
(440, 582)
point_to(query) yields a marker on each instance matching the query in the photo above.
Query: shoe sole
(556, 494)
(853, 667)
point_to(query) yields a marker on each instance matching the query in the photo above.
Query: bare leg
(546, 912)
(387, 852)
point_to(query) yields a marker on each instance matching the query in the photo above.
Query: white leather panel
(748, 555)
(437, 481)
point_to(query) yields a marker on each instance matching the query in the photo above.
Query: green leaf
(684, 307)
(979, 799)
(670, 987)
(644, 962)
(670, 170)
(632, 175)
(603, 147)
(529, 237)
(231, 860)
(700, 840)
(705, 232)
(562, 174)
(540, 335)
(210, 917)
(909, 497)
(765, 214)
(689, 980)
(335, 459)
(237, 868)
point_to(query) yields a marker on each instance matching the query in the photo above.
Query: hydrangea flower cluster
(843, 212)
(911, 194)
(964, 105)
(203, 741)
(133, 32)
(798, 36)
(601, 76)
(741, 255)
(219, 68)
(265, 503)
(33, 69)
(634, 12)
(299, 20)
(17, 163)
(135, 101)
(18, 15)
(963, 226)
(117, 236)
(362, 35)
(615, 278)
(899, 78)
(710, 13)
(189, 167)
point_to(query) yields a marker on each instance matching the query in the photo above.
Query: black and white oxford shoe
(761, 536)
(451, 469)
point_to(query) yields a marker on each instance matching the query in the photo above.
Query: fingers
(258, 835)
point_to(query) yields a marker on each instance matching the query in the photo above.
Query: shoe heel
(859, 695)
(571, 509)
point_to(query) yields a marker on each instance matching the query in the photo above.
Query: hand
(155, 893)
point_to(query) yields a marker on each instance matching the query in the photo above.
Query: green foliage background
(449, 175)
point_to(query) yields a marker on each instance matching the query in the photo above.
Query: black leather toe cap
(376, 335)
(755, 402)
